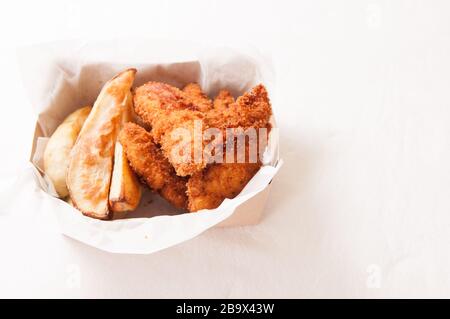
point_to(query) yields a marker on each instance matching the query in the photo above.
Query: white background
(361, 207)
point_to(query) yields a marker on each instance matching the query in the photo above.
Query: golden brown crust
(169, 111)
(148, 162)
(195, 94)
(166, 109)
(207, 189)
(252, 109)
(223, 100)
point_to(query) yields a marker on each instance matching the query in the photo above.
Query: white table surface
(361, 207)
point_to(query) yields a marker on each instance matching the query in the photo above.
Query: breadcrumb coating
(149, 163)
(223, 100)
(165, 109)
(198, 97)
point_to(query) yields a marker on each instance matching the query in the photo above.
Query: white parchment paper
(61, 77)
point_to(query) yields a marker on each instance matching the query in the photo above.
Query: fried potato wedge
(125, 190)
(91, 161)
(57, 151)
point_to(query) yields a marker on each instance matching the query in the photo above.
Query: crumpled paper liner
(61, 77)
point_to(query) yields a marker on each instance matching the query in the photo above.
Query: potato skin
(57, 151)
(125, 189)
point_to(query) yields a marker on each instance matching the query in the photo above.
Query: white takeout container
(61, 77)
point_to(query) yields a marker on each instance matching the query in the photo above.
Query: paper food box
(61, 77)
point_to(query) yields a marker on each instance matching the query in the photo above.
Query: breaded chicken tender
(208, 188)
(250, 110)
(167, 109)
(170, 112)
(161, 106)
(148, 162)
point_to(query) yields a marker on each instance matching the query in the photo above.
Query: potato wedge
(90, 169)
(57, 151)
(125, 190)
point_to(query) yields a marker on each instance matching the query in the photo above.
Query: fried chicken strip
(168, 110)
(250, 110)
(172, 116)
(207, 189)
(148, 162)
